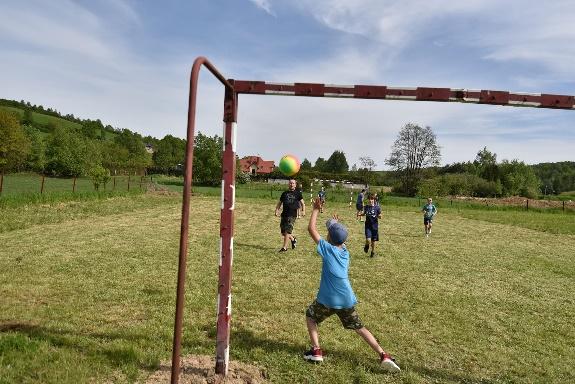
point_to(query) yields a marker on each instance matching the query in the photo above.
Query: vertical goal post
(235, 87)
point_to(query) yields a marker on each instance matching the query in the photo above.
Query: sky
(128, 64)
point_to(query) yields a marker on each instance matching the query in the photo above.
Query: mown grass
(87, 294)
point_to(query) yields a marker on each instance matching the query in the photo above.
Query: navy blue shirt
(372, 213)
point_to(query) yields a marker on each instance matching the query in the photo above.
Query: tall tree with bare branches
(414, 149)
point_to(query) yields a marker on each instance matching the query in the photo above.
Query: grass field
(87, 293)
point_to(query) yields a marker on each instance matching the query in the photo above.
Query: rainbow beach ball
(289, 165)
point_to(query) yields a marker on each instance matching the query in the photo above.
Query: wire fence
(27, 183)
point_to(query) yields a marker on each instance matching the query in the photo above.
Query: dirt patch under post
(197, 369)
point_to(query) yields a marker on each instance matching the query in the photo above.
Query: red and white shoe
(388, 363)
(314, 354)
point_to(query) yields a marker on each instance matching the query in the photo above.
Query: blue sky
(128, 64)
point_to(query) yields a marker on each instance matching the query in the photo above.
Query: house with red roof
(255, 165)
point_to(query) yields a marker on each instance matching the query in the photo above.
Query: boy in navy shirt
(372, 213)
(335, 295)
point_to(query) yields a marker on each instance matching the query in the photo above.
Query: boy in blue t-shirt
(335, 295)
(372, 213)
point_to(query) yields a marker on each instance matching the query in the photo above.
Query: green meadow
(87, 292)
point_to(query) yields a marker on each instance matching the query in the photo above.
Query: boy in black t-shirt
(292, 200)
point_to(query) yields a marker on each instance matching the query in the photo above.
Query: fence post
(128, 182)
(42, 186)
(272, 191)
(563, 200)
(114, 188)
(2, 183)
(74, 185)
(527, 204)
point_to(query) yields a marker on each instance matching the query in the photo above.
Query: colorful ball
(289, 165)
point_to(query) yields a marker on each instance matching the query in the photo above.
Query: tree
(138, 158)
(319, 164)
(36, 159)
(14, 144)
(486, 165)
(366, 171)
(305, 165)
(169, 152)
(517, 178)
(336, 163)
(414, 149)
(67, 153)
(99, 176)
(207, 167)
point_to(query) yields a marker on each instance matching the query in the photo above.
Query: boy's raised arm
(311, 228)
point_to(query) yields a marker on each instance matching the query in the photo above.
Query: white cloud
(264, 5)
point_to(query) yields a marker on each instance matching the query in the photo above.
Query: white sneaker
(388, 363)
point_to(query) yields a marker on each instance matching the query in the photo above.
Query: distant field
(87, 293)
(20, 183)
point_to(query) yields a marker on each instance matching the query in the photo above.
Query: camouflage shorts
(286, 224)
(348, 316)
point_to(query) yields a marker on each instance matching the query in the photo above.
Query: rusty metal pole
(180, 290)
(224, 306)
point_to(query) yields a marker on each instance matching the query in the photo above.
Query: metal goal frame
(235, 87)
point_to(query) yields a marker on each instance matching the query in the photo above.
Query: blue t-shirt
(334, 287)
(372, 213)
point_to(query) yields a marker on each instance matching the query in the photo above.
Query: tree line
(66, 146)
(52, 146)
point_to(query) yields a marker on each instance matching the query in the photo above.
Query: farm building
(255, 165)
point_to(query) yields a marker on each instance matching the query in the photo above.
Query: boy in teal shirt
(429, 211)
(335, 295)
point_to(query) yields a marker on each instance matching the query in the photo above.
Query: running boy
(321, 196)
(372, 213)
(335, 295)
(429, 211)
(359, 204)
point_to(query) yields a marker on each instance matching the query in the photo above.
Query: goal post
(235, 87)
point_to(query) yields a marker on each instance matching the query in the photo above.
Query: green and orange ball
(289, 165)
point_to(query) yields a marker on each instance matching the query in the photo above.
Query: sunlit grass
(87, 292)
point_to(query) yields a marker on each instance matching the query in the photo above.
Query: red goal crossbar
(235, 87)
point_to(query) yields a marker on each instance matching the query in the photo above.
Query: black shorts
(286, 224)
(371, 233)
(348, 316)
(427, 220)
